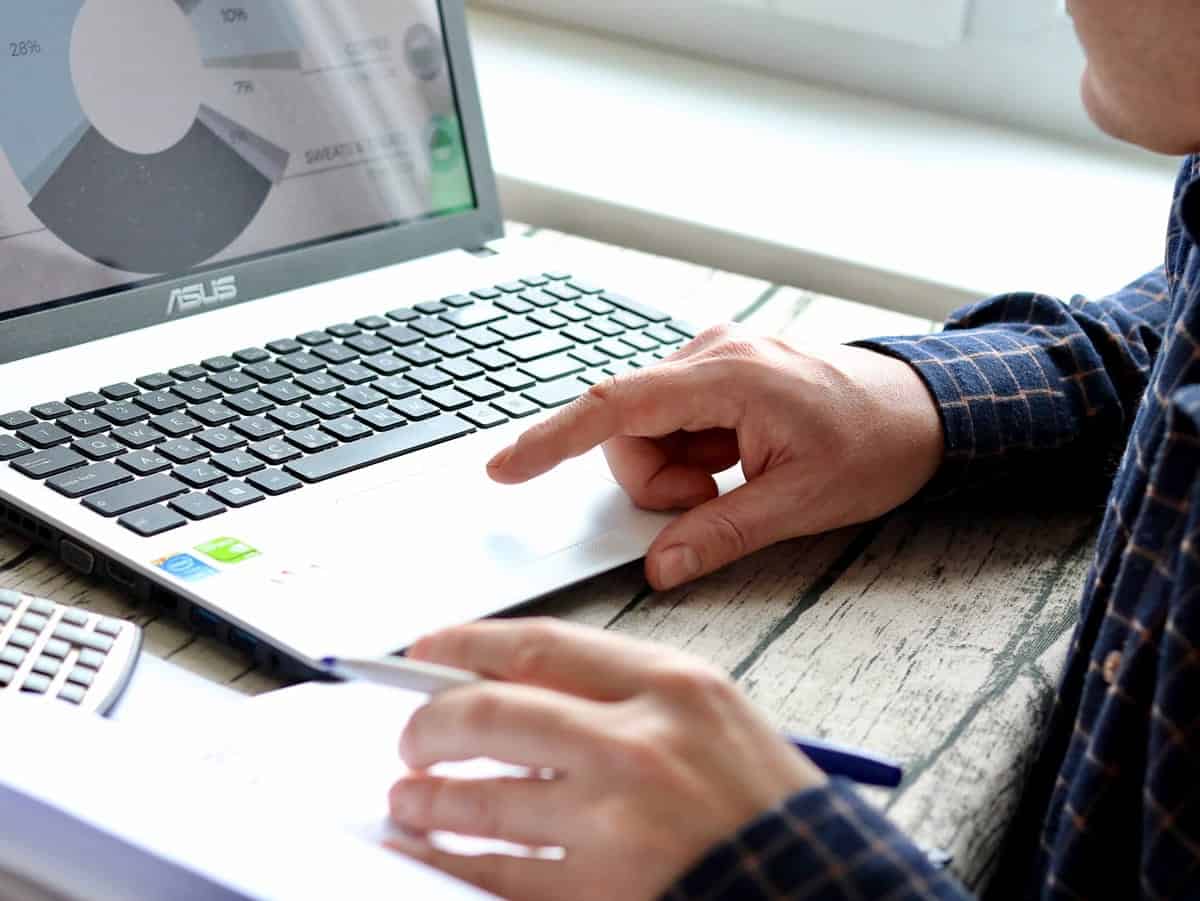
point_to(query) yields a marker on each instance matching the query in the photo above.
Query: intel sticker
(186, 568)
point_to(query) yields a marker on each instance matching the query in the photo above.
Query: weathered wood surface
(937, 638)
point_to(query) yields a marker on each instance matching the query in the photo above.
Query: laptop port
(205, 622)
(122, 575)
(243, 641)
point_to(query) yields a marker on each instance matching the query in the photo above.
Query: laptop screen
(141, 140)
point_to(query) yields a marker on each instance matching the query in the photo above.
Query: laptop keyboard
(189, 444)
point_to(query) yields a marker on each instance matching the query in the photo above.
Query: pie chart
(144, 209)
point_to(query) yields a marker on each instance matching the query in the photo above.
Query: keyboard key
(52, 410)
(197, 506)
(491, 360)
(89, 400)
(144, 462)
(535, 281)
(483, 416)
(133, 495)
(512, 379)
(275, 452)
(516, 407)
(449, 399)
(160, 402)
(381, 418)
(458, 301)
(274, 482)
(268, 372)
(232, 382)
(182, 451)
(401, 335)
(197, 391)
(640, 341)
(372, 322)
(146, 522)
(356, 373)
(314, 339)
(537, 346)
(213, 414)
(83, 424)
(138, 436)
(378, 448)
(583, 287)
(319, 383)
(450, 346)
(123, 413)
(572, 312)
(404, 314)
(486, 293)
(561, 292)
(285, 346)
(515, 305)
(11, 448)
(362, 398)
(219, 364)
(175, 425)
(633, 306)
(292, 417)
(18, 419)
(581, 334)
(482, 337)
(430, 327)
(44, 434)
(539, 298)
(220, 440)
(199, 475)
(480, 389)
(555, 394)
(237, 463)
(617, 349)
(251, 355)
(429, 378)
(514, 329)
(512, 287)
(415, 408)
(188, 373)
(368, 344)
(343, 330)
(384, 364)
(396, 388)
(430, 307)
(249, 403)
(48, 463)
(335, 353)
(550, 368)
(595, 305)
(460, 368)
(327, 407)
(347, 429)
(257, 429)
(237, 494)
(98, 447)
(311, 440)
(120, 391)
(302, 362)
(684, 328)
(284, 392)
(418, 356)
(628, 320)
(97, 477)
(477, 314)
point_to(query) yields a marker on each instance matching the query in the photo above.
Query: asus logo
(191, 298)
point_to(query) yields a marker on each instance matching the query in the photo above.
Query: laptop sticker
(228, 550)
(186, 568)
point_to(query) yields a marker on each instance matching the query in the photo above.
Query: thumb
(721, 531)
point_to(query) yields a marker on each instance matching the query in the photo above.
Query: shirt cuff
(824, 844)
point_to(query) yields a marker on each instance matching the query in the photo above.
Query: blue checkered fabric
(1041, 398)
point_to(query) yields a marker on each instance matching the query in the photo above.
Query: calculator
(64, 653)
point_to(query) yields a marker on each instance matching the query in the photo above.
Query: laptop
(258, 336)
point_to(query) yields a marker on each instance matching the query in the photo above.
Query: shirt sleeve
(825, 844)
(1035, 393)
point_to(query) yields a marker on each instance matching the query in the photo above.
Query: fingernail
(498, 461)
(677, 564)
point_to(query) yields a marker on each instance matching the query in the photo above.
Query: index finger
(666, 398)
(548, 653)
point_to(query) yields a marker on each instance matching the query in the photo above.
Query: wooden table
(937, 638)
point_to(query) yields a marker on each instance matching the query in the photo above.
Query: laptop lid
(161, 158)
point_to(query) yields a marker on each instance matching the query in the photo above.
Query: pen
(431, 678)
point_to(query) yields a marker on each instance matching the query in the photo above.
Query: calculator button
(109, 627)
(23, 638)
(39, 605)
(6, 674)
(5, 615)
(83, 638)
(81, 676)
(36, 684)
(9, 599)
(47, 666)
(91, 659)
(12, 656)
(34, 621)
(73, 694)
(75, 617)
(56, 647)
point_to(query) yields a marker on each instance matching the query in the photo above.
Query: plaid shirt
(1039, 397)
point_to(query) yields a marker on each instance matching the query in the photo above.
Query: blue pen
(431, 678)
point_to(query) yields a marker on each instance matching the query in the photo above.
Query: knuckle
(531, 655)
(697, 682)
(729, 535)
(482, 711)
(716, 333)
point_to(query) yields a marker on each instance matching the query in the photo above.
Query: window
(1013, 62)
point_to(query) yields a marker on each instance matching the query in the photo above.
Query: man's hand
(825, 439)
(656, 757)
